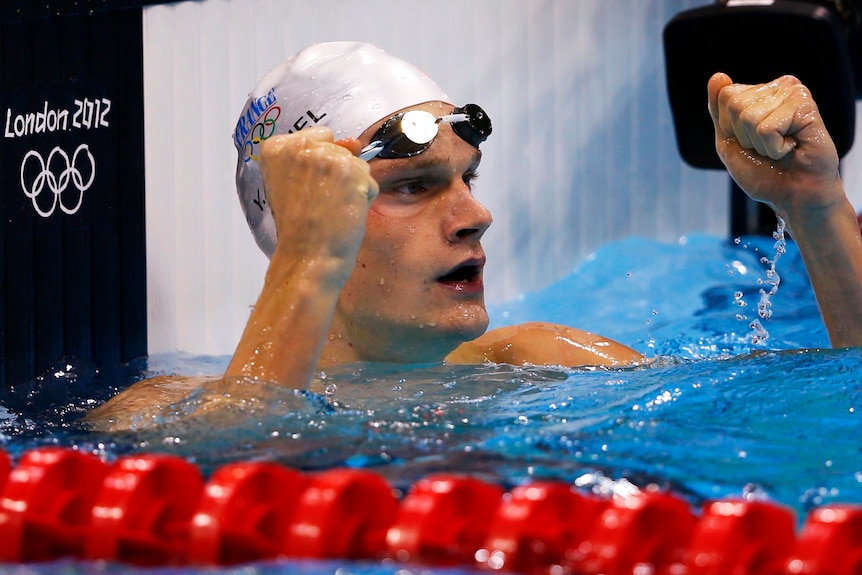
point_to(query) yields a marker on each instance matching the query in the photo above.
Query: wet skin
(416, 291)
(398, 276)
(375, 261)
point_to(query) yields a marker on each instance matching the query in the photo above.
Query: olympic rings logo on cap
(57, 183)
(261, 131)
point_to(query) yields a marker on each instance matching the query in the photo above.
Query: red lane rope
(157, 510)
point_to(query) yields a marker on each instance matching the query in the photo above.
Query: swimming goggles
(410, 133)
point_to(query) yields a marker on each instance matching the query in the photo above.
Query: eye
(409, 188)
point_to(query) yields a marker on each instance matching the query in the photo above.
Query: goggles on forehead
(410, 133)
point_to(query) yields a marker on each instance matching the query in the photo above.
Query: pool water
(718, 412)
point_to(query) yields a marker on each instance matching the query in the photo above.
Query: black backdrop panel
(72, 198)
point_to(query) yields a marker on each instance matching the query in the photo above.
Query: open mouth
(464, 275)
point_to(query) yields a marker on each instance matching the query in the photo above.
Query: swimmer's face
(416, 291)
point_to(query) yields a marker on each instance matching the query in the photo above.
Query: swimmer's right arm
(774, 143)
(319, 193)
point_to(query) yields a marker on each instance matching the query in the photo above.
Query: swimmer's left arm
(542, 343)
(775, 145)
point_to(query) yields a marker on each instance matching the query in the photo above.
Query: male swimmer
(355, 173)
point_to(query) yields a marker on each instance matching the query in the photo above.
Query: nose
(467, 217)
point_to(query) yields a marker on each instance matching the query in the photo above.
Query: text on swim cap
(302, 122)
(260, 200)
(247, 121)
(259, 122)
(265, 128)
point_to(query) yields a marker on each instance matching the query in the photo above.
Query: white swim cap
(346, 86)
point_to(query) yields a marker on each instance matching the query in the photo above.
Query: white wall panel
(583, 150)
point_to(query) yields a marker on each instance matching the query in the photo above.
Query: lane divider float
(158, 510)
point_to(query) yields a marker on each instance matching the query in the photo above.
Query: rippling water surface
(715, 414)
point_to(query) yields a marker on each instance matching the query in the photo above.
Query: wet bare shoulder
(542, 343)
(143, 401)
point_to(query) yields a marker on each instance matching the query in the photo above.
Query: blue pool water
(718, 413)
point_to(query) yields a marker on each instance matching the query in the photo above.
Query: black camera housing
(754, 42)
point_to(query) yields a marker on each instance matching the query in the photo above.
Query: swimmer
(381, 260)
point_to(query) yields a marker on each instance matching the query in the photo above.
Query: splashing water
(759, 333)
(764, 306)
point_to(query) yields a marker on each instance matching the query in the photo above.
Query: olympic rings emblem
(57, 182)
(259, 132)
